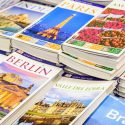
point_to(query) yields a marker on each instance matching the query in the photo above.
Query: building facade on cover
(58, 113)
(11, 93)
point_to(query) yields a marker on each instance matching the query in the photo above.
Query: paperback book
(54, 30)
(119, 94)
(105, 34)
(69, 101)
(111, 112)
(22, 80)
(120, 89)
(89, 67)
(18, 17)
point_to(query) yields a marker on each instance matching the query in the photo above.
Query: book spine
(38, 59)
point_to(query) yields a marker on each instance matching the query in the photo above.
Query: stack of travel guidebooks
(120, 88)
(59, 63)
(44, 38)
(16, 18)
(98, 48)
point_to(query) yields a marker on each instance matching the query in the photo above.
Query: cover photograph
(111, 111)
(19, 16)
(56, 27)
(66, 101)
(105, 34)
(20, 79)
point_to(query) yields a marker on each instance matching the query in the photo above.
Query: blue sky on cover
(56, 94)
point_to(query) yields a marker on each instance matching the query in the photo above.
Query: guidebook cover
(105, 34)
(57, 26)
(18, 17)
(67, 99)
(111, 111)
(20, 77)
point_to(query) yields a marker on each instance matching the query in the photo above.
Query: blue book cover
(110, 112)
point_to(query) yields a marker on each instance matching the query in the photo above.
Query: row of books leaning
(35, 90)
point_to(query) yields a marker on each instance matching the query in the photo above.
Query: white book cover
(65, 103)
(103, 35)
(21, 79)
(56, 27)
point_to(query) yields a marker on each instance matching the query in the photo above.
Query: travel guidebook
(51, 31)
(105, 34)
(110, 112)
(16, 18)
(21, 81)
(19, 16)
(69, 101)
(89, 67)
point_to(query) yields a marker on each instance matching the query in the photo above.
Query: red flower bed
(90, 35)
(114, 11)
